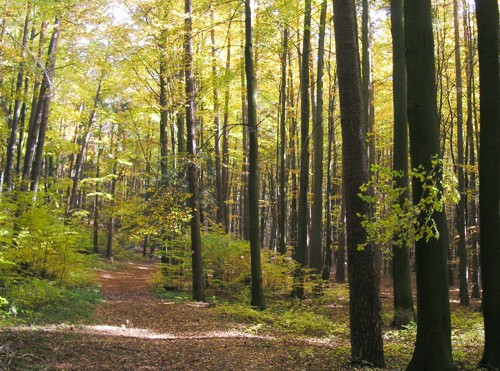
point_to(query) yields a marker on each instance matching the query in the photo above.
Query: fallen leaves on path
(135, 331)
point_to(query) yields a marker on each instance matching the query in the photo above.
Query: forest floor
(134, 330)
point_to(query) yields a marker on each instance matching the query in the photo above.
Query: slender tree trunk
(283, 147)
(163, 119)
(14, 127)
(192, 168)
(96, 203)
(462, 203)
(218, 132)
(317, 207)
(364, 276)
(489, 167)
(258, 299)
(111, 220)
(46, 92)
(85, 138)
(225, 140)
(404, 312)
(433, 345)
(471, 158)
(300, 253)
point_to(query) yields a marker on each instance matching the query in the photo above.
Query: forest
(249, 184)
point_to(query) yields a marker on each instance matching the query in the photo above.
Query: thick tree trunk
(258, 299)
(192, 168)
(489, 168)
(433, 345)
(404, 312)
(364, 276)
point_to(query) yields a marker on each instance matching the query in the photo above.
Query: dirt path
(135, 331)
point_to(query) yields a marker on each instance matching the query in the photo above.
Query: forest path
(133, 330)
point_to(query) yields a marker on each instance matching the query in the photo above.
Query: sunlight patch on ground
(108, 330)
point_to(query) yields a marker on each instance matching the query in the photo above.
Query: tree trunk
(283, 147)
(433, 345)
(317, 207)
(163, 120)
(43, 108)
(218, 132)
(258, 299)
(300, 252)
(364, 276)
(225, 140)
(489, 168)
(84, 141)
(404, 312)
(462, 203)
(192, 167)
(14, 127)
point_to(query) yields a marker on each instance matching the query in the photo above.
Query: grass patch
(41, 302)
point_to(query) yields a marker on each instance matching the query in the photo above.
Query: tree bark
(84, 141)
(192, 167)
(258, 299)
(16, 114)
(489, 167)
(300, 253)
(462, 203)
(317, 207)
(43, 108)
(404, 312)
(364, 276)
(283, 147)
(433, 344)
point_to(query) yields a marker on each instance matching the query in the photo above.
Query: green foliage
(394, 222)
(287, 316)
(45, 265)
